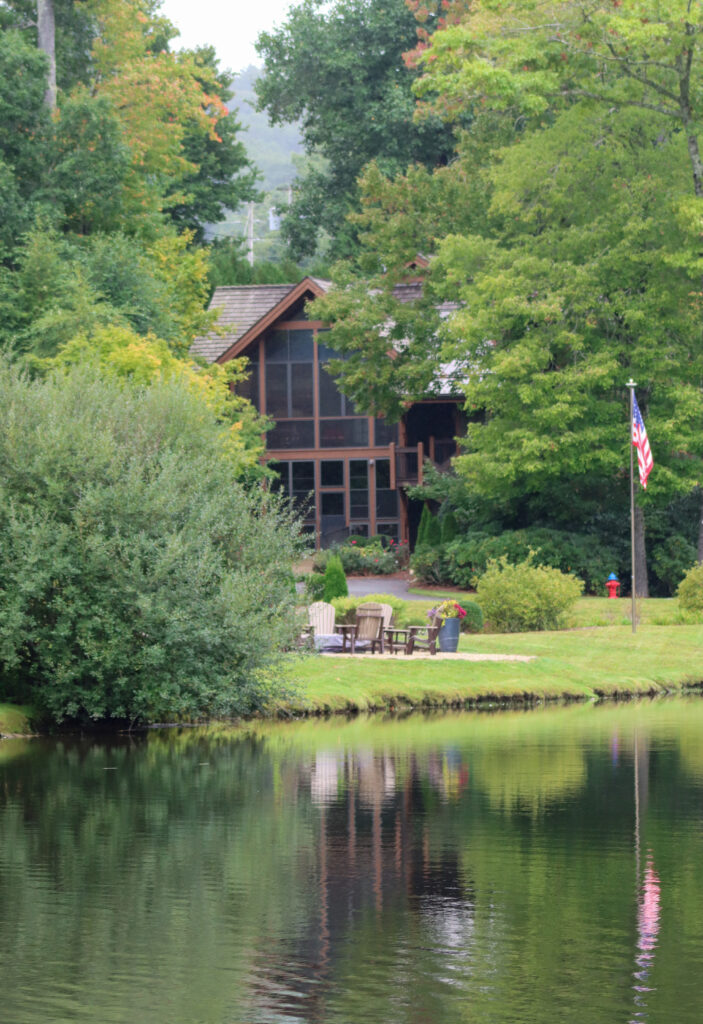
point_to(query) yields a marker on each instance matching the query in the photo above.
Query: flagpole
(631, 385)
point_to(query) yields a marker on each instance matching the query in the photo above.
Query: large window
(297, 481)
(289, 388)
(249, 387)
(386, 499)
(358, 489)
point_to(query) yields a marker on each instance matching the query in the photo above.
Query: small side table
(348, 637)
(397, 639)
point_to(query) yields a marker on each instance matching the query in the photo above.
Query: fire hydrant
(612, 585)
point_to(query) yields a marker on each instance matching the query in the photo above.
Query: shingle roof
(241, 307)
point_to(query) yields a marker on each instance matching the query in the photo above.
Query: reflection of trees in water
(255, 881)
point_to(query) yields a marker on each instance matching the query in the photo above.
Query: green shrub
(423, 527)
(138, 579)
(314, 583)
(467, 557)
(671, 559)
(449, 527)
(691, 590)
(335, 580)
(524, 597)
(346, 607)
(428, 564)
(473, 621)
(433, 537)
(370, 559)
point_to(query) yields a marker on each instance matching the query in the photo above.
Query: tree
(340, 72)
(140, 580)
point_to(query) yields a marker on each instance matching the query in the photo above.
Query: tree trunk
(46, 34)
(641, 581)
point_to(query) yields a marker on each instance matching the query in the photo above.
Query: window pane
(359, 504)
(330, 398)
(291, 434)
(358, 474)
(385, 432)
(360, 529)
(388, 530)
(332, 473)
(332, 503)
(344, 433)
(302, 349)
(303, 476)
(277, 347)
(383, 473)
(386, 504)
(280, 482)
(324, 352)
(277, 390)
(301, 389)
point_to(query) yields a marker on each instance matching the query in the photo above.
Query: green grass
(15, 720)
(581, 664)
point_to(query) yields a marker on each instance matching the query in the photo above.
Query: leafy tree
(339, 71)
(140, 580)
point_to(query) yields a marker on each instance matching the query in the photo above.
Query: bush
(346, 607)
(691, 589)
(524, 597)
(371, 559)
(138, 579)
(335, 580)
(314, 583)
(449, 527)
(473, 620)
(670, 561)
(466, 559)
(428, 565)
(422, 531)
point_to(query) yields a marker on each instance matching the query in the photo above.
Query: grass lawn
(580, 663)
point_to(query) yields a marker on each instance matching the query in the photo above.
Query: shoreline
(490, 670)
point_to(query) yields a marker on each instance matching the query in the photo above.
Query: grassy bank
(15, 721)
(579, 664)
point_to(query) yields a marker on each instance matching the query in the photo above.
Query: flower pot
(448, 635)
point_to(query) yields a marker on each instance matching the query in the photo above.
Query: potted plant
(449, 614)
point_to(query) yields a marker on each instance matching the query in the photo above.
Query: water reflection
(438, 868)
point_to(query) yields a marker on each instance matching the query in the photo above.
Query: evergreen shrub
(691, 590)
(525, 597)
(428, 564)
(139, 579)
(335, 580)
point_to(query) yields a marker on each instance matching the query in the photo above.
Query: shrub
(346, 607)
(428, 564)
(670, 561)
(335, 580)
(473, 620)
(314, 583)
(466, 558)
(423, 527)
(138, 578)
(691, 589)
(525, 597)
(449, 527)
(371, 559)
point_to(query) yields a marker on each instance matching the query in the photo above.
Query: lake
(519, 866)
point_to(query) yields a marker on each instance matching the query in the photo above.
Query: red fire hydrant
(612, 585)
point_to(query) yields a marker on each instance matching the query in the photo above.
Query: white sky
(231, 26)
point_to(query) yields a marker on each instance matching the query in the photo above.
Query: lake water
(533, 867)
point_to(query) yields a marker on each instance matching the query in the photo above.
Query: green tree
(335, 580)
(340, 72)
(139, 579)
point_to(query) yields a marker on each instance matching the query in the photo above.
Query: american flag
(639, 439)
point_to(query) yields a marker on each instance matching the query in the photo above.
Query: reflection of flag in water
(647, 932)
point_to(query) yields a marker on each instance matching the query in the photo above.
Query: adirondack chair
(371, 621)
(323, 632)
(424, 638)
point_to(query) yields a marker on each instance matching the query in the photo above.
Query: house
(348, 471)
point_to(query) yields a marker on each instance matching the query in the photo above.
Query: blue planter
(448, 636)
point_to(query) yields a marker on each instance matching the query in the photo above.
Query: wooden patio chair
(324, 634)
(371, 620)
(423, 638)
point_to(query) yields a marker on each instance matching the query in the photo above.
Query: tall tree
(339, 70)
(46, 40)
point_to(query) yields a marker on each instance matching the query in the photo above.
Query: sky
(231, 26)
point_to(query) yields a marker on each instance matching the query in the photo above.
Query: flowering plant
(447, 610)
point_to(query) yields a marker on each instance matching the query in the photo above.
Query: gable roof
(246, 311)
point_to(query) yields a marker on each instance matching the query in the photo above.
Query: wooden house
(347, 470)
